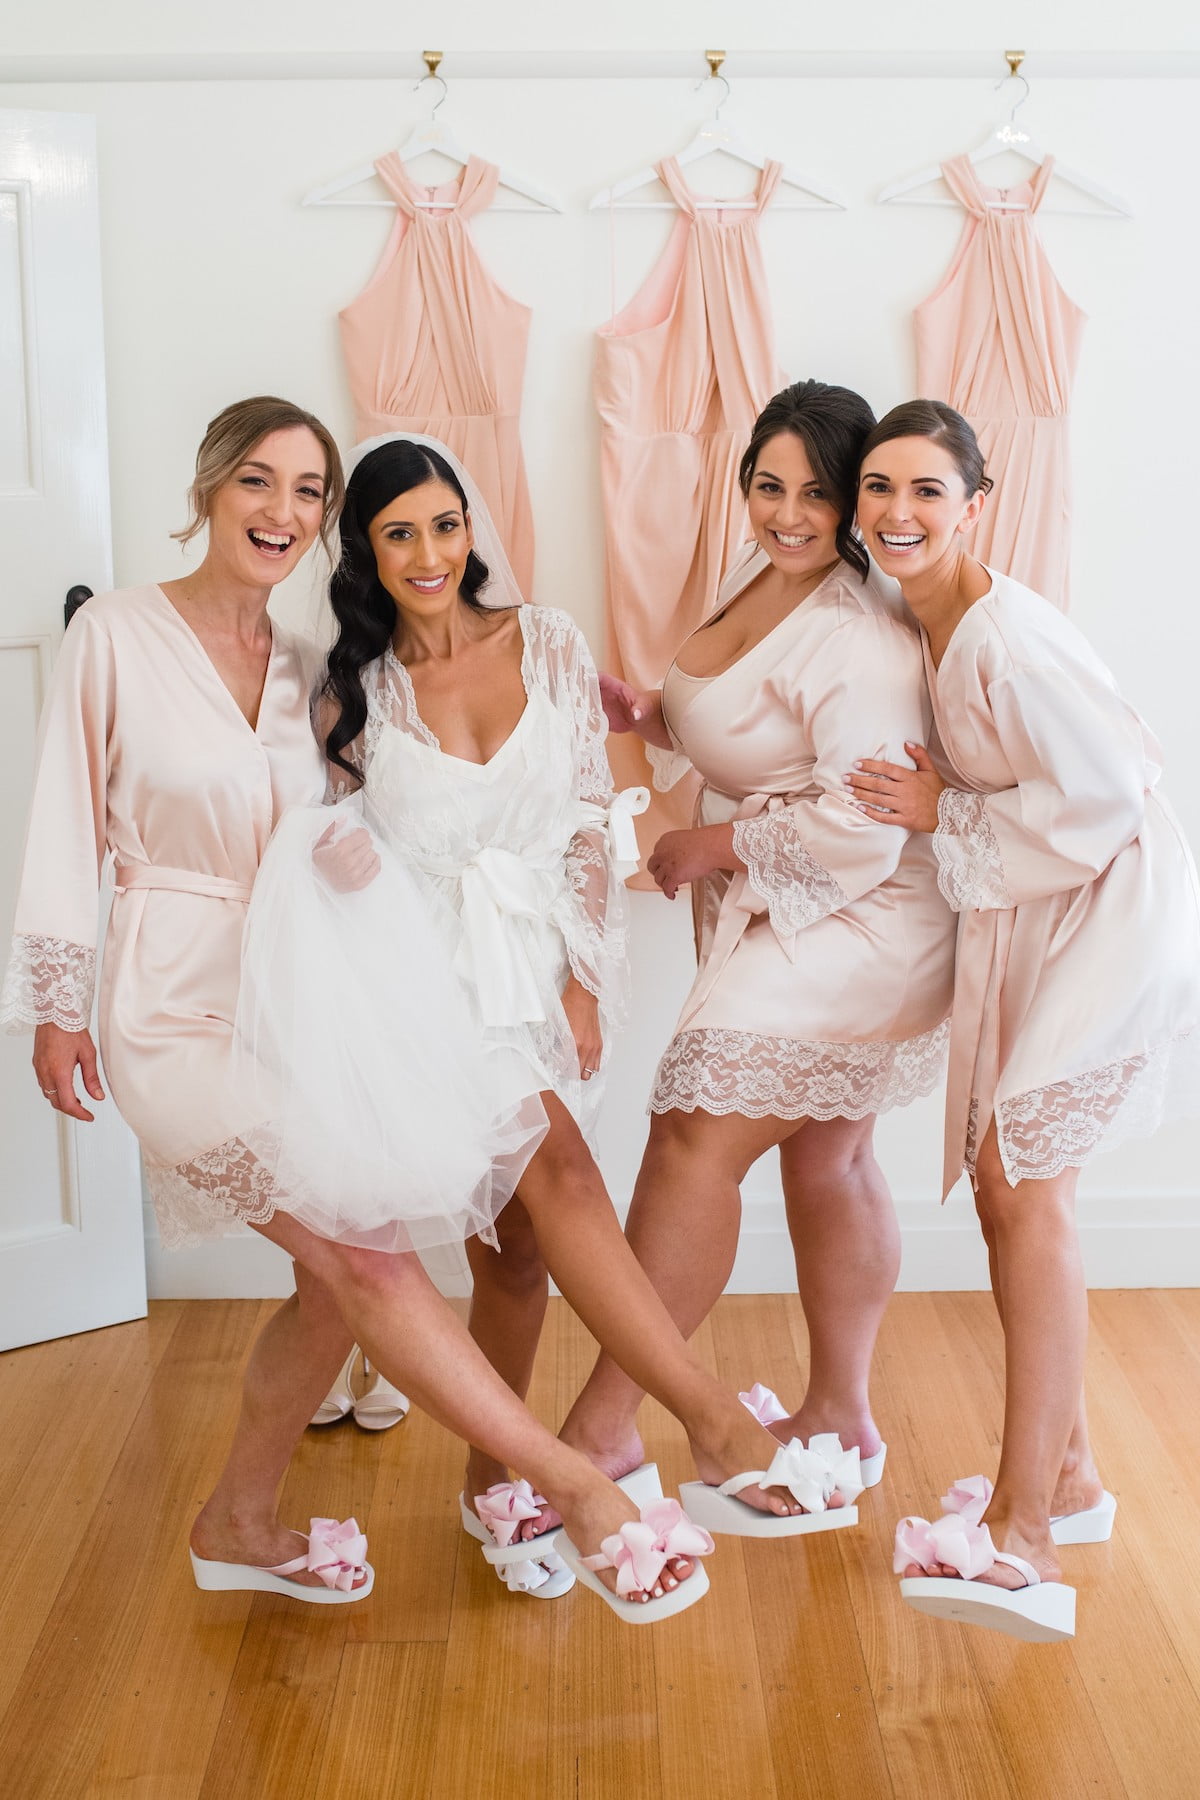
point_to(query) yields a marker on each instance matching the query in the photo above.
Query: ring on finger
(50, 1093)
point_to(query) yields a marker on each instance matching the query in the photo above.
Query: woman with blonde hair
(177, 736)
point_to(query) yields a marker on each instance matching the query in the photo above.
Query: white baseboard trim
(1147, 1241)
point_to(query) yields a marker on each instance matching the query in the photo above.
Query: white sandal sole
(719, 1513)
(1044, 1614)
(636, 1612)
(1092, 1526)
(234, 1578)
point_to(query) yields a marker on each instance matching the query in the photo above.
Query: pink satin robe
(1077, 998)
(826, 968)
(145, 754)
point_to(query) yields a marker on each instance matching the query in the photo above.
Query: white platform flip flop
(811, 1475)
(337, 1552)
(1041, 1612)
(639, 1553)
(1092, 1526)
(768, 1409)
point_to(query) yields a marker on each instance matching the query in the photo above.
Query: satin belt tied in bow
(499, 891)
(179, 881)
(616, 820)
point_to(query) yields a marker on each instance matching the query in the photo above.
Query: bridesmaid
(825, 949)
(176, 732)
(1076, 1021)
(472, 726)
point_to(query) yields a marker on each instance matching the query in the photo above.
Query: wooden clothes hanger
(430, 134)
(809, 195)
(1013, 139)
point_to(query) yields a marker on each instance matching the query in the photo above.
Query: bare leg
(1079, 1485)
(294, 1360)
(685, 1244)
(847, 1247)
(508, 1307)
(1044, 1307)
(410, 1333)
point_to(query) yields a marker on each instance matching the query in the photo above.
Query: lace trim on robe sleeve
(667, 767)
(593, 920)
(798, 890)
(970, 869)
(49, 981)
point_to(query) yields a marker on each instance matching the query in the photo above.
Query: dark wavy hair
(934, 420)
(833, 424)
(364, 610)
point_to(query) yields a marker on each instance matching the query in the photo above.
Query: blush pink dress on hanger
(433, 344)
(999, 341)
(681, 375)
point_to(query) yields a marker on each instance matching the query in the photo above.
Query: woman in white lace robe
(475, 726)
(826, 952)
(1076, 1021)
(176, 732)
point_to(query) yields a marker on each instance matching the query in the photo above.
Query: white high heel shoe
(340, 1398)
(380, 1405)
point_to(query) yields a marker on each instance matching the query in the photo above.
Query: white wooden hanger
(810, 196)
(429, 135)
(1015, 140)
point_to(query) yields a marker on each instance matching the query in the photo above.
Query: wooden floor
(801, 1674)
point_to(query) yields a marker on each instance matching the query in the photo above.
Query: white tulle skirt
(387, 1120)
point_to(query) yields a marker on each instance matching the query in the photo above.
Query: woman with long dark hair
(177, 735)
(473, 725)
(1076, 1022)
(825, 949)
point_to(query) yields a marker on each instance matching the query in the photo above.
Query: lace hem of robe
(797, 888)
(1062, 1126)
(208, 1196)
(720, 1071)
(49, 981)
(970, 868)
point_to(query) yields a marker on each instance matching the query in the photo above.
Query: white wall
(217, 283)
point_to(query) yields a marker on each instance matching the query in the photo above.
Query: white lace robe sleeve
(52, 969)
(862, 695)
(592, 915)
(1078, 755)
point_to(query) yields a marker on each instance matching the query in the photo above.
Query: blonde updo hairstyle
(233, 436)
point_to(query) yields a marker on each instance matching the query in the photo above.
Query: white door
(71, 1236)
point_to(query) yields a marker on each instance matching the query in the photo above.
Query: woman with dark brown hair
(826, 952)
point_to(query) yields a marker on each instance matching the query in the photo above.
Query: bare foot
(599, 1512)
(814, 1418)
(614, 1458)
(737, 1441)
(262, 1543)
(1034, 1547)
(1078, 1487)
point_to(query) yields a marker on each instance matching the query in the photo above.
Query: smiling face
(263, 519)
(421, 541)
(790, 515)
(914, 510)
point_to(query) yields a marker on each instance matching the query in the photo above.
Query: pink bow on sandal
(642, 1548)
(337, 1553)
(505, 1508)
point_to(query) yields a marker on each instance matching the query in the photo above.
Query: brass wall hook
(432, 60)
(1014, 59)
(714, 59)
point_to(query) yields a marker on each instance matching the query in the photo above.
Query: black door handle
(74, 600)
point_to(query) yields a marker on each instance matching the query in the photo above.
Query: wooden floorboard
(801, 1674)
